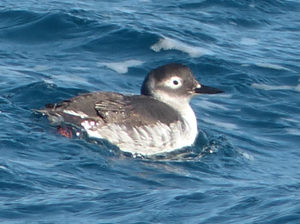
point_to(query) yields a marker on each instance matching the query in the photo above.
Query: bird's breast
(147, 139)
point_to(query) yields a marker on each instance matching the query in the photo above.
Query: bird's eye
(174, 82)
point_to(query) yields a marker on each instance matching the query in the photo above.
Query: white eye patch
(174, 82)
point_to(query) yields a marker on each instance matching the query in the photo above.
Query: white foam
(166, 43)
(48, 81)
(70, 78)
(126, 10)
(245, 154)
(80, 68)
(291, 120)
(3, 167)
(292, 131)
(272, 87)
(121, 67)
(273, 66)
(248, 41)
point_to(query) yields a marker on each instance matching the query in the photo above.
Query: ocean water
(245, 164)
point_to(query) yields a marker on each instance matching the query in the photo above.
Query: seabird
(157, 121)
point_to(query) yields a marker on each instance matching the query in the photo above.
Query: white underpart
(150, 139)
(182, 105)
(145, 140)
(77, 113)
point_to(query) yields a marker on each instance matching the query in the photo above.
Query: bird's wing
(136, 110)
(106, 107)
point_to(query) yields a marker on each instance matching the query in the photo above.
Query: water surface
(244, 166)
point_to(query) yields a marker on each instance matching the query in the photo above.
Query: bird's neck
(182, 105)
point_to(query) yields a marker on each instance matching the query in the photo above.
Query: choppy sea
(245, 164)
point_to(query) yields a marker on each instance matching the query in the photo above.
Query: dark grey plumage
(108, 107)
(154, 80)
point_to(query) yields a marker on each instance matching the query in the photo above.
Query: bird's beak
(206, 89)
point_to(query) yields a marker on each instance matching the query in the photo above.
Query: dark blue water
(244, 166)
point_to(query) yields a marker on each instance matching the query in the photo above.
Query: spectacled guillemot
(157, 121)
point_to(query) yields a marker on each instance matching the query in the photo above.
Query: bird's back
(108, 108)
(137, 124)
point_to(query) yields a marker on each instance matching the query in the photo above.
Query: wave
(273, 66)
(30, 27)
(43, 91)
(272, 6)
(293, 131)
(249, 41)
(167, 43)
(275, 87)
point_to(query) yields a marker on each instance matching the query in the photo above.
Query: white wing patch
(77, 114)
